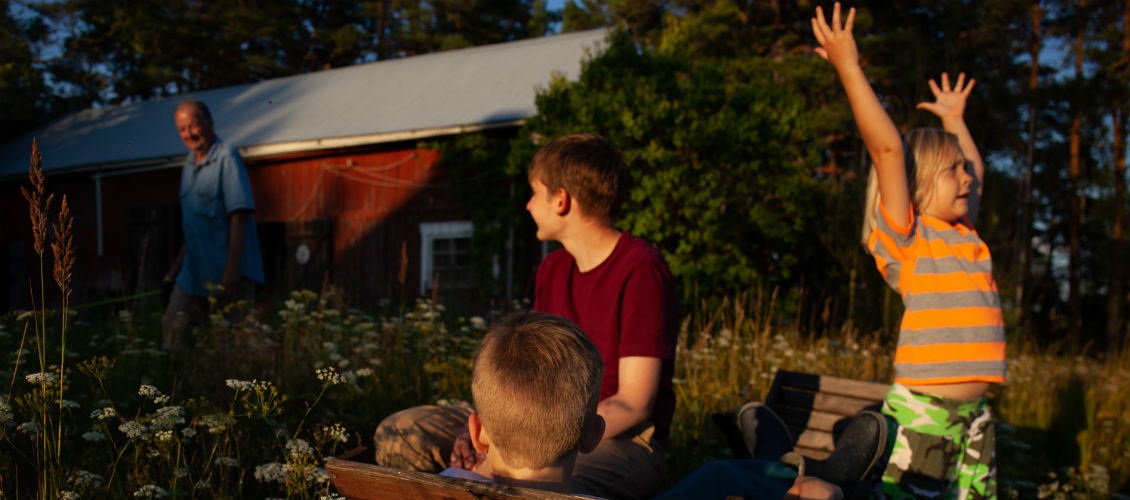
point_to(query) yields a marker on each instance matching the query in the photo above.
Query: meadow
(255, 406)
(263, 394)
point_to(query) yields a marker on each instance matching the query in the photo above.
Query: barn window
(445, 250)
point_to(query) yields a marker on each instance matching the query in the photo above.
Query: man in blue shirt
(221, 245)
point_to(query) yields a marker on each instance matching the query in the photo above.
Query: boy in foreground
(536, 385)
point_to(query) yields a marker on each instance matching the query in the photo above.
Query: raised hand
(949, 102)
(837, 44)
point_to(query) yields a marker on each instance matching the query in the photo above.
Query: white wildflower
(42, 378)
(202, 485)
(6, 415)
(151, 491)
(163, 435)
(30, 427)
(133, 430)
(478, 322)
(188, 432)
(331, 496)
(85, 479)
(317, 475)
(344, 363)
(273, 472)
(239, 385)
(103, 414)
(181, 472)
(148, 391)
(161, 400)
(330, 376)
(216, 422)
(298, 448)
(125, 316)
(68, 495)
(94, 436)
(363, 372)
(336, 432)
(169, 416)
(66, 404)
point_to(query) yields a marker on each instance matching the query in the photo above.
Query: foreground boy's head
(535, 385)
(585, 167)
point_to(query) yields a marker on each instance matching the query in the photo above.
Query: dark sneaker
(766, 435)
(859, 452)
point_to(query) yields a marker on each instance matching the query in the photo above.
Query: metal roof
(413, 97)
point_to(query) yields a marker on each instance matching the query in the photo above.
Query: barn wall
(354, 211)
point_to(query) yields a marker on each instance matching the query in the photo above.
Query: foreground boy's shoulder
(630, 252)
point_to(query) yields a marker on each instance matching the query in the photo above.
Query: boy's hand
(949, 103)
(837, 45)
(811, 488)
(463, 453)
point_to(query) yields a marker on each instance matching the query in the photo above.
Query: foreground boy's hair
(588, 167)
(536, 384)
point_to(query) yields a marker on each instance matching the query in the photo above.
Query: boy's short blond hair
(589, 168)
(927, 151)
(536, 383)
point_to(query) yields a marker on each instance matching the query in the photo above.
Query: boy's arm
(949, 106)
(837, 46)
(633, 401)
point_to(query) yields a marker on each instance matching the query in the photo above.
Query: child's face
(542, 207)
(949, 196)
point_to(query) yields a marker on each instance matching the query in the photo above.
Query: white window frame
(431, 231)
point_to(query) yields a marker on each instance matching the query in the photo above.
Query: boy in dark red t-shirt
(618, 289)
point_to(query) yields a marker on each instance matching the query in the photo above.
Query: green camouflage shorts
(944, 448)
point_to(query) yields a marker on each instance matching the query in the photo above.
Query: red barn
(341, 180)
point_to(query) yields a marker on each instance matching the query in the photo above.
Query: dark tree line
(1049, 113)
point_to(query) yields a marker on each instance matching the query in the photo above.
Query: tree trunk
(1024, 243)
(1074, 306)
(1117, 297)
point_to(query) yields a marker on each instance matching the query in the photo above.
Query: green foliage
(720, 158)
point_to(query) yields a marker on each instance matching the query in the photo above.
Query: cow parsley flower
(298, 448)
(330, 376)
(42, 378)
(148, 391)
(336, 432)
(133, 430)
(94, 436)
(151, 491)
(103, 414)
(273, 472)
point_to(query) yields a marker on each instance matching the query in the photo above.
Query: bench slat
(365, 481)
(820, 401)
(797, 417)
(811, 405)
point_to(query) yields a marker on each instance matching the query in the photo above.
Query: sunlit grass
(258, 406)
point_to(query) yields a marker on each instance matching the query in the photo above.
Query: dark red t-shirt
(626, 305)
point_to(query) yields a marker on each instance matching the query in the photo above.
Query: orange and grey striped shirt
(952, 330)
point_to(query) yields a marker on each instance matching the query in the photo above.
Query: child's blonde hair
(535, 384)
(927, 152)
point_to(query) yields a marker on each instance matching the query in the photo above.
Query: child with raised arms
(923, 196)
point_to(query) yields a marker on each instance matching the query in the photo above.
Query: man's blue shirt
(209, 192)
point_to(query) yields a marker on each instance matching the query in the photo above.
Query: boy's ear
(479, 437)
(562, 201)
(593, 435)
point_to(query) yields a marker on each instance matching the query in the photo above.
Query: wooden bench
(811, 406)
(356, 477)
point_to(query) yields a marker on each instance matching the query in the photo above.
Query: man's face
(195, 132)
